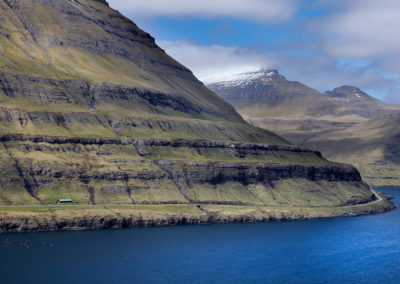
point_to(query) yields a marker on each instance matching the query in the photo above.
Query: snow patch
(356, 94)
(242, 79)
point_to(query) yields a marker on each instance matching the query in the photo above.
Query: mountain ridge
(270, 93)
(363, 104)
(54, 55)
(334, 122)
(274, 90)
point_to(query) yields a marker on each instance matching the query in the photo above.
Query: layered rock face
(156, 183)
(79, 68)
(91, 109)
(124, 171)
(64, 51)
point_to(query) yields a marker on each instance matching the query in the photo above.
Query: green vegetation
(57, 170)
(284, 193)
(89, 72)
(67, 217)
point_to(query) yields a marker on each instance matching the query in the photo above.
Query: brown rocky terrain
(346, 124)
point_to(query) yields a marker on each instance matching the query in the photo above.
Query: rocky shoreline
(12, 223)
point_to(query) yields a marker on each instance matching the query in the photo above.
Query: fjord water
(343, 250)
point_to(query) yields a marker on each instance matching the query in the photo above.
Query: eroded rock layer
(124, 171)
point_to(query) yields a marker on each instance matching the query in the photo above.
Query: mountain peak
(348, 93)
(348, 88)
(361, 103)
(270, 72)
(85, 55)
(246, 78)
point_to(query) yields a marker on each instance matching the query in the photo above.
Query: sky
(321, 43)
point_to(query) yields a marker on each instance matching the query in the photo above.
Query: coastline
(42, 219)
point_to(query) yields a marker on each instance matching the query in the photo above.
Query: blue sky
(324, 44)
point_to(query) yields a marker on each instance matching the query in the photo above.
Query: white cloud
(366, 30)
(212, 63)
(258, 10)
(361, 28)
(356, 30)
(217, 63)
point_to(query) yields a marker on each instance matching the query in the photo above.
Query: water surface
(344, 250)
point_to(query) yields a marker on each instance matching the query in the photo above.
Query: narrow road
(379, 199)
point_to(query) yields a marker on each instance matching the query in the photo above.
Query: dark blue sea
(344, 250)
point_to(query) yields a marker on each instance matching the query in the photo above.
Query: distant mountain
(266, 91)
(361, 103)
(313, 119)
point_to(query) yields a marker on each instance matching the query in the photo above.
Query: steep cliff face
(124, 171)
(93, 110)
(79, 68)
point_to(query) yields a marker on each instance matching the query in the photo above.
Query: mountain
(92, 110)
(79, 53)
(264, 91)
(346, 124)
(362, 104)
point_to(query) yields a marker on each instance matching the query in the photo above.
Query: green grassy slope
(93, 110)
(70, 48)
(41, 173)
